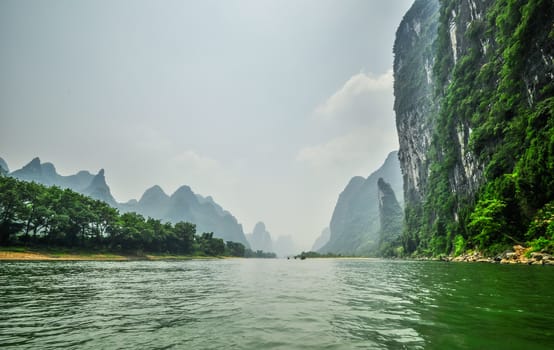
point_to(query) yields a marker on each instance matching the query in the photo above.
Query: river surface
(275, 304)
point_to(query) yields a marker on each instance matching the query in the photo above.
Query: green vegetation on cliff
(491, 157)
(33, 214)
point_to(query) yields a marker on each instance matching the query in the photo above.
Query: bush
(459, 245)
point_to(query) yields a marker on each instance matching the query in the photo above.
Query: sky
(269, 106)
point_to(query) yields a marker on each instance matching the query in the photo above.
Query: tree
(487, 220)
(184, 233)
(12, 208)
(235, 249)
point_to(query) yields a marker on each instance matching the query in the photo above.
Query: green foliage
(34, 214)
(542, 224)
(541, 244)
(487, 221)
(234, 249)
(209, 245)
(312, 254)
(259, 254)
(459, 245)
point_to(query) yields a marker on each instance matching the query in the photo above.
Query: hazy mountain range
(182, 205)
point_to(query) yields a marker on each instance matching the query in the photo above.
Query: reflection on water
(281, 304)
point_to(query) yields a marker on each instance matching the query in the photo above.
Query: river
(275, 304)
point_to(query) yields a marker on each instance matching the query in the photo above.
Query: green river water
(275, 304)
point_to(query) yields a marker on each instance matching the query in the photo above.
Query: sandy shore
(7, 255)
(28, 255)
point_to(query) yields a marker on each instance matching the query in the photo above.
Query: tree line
(34, 214)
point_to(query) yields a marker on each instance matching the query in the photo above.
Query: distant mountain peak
(260, 238)
(155, 190)
(183, 191)
(259, 227)
(154, 194)
(99, 189)
(34, 164)
(49, 169)
(99, 179)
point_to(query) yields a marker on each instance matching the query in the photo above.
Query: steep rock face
(414, 59)
(322, 239)
(355, 222)
(4, 169)
(390, 214)
(99, 189)
(260, 239)
(475, 142)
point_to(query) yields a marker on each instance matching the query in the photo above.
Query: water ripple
(273, 304)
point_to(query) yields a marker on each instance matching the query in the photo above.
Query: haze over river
(275, 304)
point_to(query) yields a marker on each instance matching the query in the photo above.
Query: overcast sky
(268, 106)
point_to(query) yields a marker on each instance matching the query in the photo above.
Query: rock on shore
(519, 255)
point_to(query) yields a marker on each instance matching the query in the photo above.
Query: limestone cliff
(99, 189)
(390, 218)
(413, 89)
(260, 239)
(474, 103)
(4, 169)
(355, 222)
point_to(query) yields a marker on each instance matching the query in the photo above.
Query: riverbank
(33, 254)
(518, 255)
